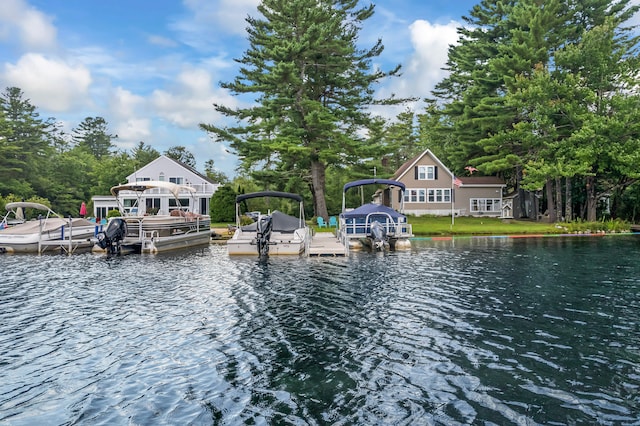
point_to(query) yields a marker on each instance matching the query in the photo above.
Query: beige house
(432, 189)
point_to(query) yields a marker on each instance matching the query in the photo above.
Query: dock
(66, 246)
(326, 244)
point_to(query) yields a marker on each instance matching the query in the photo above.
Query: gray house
(432, 189)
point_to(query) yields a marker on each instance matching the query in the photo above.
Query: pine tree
(93, 135)
(25, 148)
(312, 85)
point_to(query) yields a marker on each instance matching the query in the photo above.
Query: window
(142, 179)
(173, 203)
(437, 195)
(176, 180)
(152, 205)
(415, 195)
(426, 172)
(485, 205)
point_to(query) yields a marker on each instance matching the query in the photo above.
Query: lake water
(468, 331)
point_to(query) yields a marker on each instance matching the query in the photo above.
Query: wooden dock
(326, 244)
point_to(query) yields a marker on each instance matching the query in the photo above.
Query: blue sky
(151, 68)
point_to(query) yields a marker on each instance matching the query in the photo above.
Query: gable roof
(180, 163)
(466, 180)
(406, 167)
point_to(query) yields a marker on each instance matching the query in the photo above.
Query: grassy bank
(442, 225)
(424, 226)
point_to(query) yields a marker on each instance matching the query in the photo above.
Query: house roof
(191, 169)
(180, 163)
(406, 167)
(466, 180)
(481, 180)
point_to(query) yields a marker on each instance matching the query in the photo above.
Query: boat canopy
(142, 186)
(243, 197)
(280, 222)
(26, 205)
(370, 209)
(373, 182)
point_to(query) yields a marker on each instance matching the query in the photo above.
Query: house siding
(439, 196)
(165, 169)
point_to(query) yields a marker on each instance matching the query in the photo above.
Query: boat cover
(366, 209)
(363, 182)
(280, 222)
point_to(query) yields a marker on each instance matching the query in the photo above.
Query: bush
(223, 205)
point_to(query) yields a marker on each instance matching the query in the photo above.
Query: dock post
(70, 233)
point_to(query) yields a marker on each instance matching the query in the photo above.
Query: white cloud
(50, 83)
(132, 130)
(29, 27)
(128, 122)
(191, 100)
(161, 41)
(228, 15)
(423, 70)
(210, 23)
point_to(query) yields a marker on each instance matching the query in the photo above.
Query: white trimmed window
(485, 205)
(426, 172)
(439, 195)
(176, 180)
(417, 195)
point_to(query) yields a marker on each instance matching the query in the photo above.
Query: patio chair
(333, 222)
(321, 222)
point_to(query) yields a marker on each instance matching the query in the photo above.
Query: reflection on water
(543, 330)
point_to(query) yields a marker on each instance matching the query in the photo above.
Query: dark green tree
(26, 151)
(312, 84)
(143, 154)
(181, 154)
(517, 101)
(112, 171)
(215, 174)
(93, 135)
(223, 205)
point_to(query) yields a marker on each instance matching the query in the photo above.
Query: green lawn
(441, 225)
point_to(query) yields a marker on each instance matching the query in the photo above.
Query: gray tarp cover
(280, 222)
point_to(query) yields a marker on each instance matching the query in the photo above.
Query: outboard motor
(378, 235)
(263, 235)
(111, 238)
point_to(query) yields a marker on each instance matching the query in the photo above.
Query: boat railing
(352, 228)
(143, 225)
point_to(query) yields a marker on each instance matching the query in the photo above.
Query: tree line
(41, 162)
(542, 93)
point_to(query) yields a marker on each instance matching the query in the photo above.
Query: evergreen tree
(312, 85)
(214, 174)
(26, 151)
(519, 99)
(93, 135)
(223, 205)
(181, 154)
(143, 154)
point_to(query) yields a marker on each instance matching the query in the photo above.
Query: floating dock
(66, 246)
(326, 244)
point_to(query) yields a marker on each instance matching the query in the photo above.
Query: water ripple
(540, 331)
